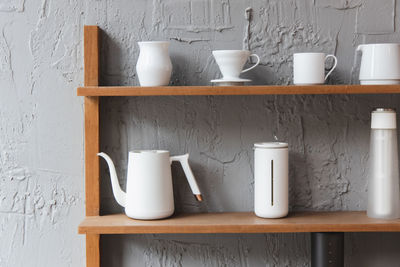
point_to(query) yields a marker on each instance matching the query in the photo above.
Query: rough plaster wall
(41, 167)
(41, 119)
(328, 135)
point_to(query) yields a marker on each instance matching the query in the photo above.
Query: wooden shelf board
(236, 90)
(240, 222)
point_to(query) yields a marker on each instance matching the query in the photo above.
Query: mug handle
(255, 65)
(334, 65)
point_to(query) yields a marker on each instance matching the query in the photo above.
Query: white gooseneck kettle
(149, 193)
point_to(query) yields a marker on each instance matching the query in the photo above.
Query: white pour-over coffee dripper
(230, 63)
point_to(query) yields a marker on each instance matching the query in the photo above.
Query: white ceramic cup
(309, 68)
(231, 62)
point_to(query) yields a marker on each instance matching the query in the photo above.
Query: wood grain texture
(92, 122)
(92, 250)
(92, 147)
(240, 222)
(92, 141)
(236, 90)
(91, 55)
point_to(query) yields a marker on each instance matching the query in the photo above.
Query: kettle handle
(184, 160)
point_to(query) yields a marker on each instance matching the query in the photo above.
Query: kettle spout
(119, 195)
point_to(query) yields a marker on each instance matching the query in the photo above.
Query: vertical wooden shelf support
(92, 141)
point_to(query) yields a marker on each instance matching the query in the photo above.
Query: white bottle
(271, 181)
(383, 185)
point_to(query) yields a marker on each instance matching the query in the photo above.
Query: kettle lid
(149, 151)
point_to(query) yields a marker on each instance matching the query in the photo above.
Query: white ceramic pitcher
(154, 67)
(149, 193)
(380, 63)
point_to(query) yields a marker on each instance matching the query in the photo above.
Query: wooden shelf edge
(239, 222)
(236, 90)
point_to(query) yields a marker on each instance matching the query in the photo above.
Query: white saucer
(229, 82)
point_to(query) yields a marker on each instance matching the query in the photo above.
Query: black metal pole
(327, 249)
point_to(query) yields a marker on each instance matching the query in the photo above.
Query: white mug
(309, 68)
(231, 62)
(380, 63)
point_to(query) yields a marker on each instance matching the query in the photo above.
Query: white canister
(271, 179)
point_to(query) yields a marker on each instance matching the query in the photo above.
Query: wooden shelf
(237, 90)
(240, 222)
(94, 225)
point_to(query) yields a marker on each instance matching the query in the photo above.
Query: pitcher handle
(334, 65)
(360, 47)
(184, 160)
(255, 65)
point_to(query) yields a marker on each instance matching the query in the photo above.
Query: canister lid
(383, 118)
(271, 145)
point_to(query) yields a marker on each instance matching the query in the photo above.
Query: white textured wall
(41, 124)
(41, 127)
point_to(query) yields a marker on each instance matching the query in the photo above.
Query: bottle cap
(383, 118)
